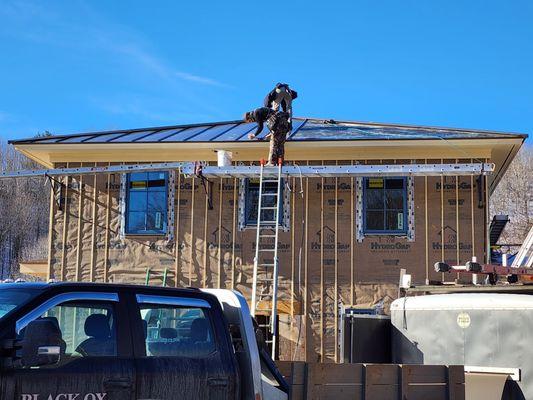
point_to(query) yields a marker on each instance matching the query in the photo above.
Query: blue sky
(70, 66)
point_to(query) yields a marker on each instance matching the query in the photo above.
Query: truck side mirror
(42, 343)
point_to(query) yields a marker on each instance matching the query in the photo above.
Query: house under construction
(356, 203)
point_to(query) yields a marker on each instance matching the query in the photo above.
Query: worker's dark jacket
(260, 115)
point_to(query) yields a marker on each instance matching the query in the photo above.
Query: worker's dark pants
(277, 151)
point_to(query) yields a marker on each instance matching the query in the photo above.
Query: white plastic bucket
(224, 158)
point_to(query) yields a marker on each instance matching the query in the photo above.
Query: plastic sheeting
(322, 265)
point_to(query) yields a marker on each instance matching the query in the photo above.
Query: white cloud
(31, 21)
(153, 109)
(200, 79)
(163, 93)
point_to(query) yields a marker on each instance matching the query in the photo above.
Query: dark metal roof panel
(56, 139)
(157, 136)
(209, 134)
(261, 134)
(94, 138)
(212, 133)
(303, 130)
(237, 133)
(345, 131)
(130, 137)
(186, 134)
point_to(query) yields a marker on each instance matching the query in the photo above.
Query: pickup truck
(87, 341)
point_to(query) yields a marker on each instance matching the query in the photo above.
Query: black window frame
(164, 219)
(251, 222)
(384, 231)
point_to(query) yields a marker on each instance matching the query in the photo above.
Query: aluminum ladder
(266, 269)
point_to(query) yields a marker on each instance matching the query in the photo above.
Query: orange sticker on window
(138, 184)
(375, 183)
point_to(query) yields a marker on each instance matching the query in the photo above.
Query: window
(87, 329)
(385, 206)
(251, 202)
(13, 298)
(146, 203)
(176, 331)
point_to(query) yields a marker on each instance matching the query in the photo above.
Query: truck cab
(85, 341)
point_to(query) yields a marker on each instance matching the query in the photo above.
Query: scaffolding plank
(244, 171)
(325, 171)
(94, 170)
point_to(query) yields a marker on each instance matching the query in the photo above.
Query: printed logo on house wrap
(463, 320)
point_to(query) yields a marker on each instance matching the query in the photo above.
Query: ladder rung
(267, 250)
(266, 265)
(269, 208)
(267, 223)
(267, 235)
(269, 194)
(270, 180)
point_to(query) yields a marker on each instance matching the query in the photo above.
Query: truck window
(88, 329)
(174, 331)
(13, 298)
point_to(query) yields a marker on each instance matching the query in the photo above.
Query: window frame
(162, 232)
(387, 232)
(91, 305)
(50, 303)
(249, 224)
(155, 301)
(122, 347)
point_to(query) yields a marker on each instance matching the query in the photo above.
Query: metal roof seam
(132, 130)
(118, 137)
(197, 133)
(245, 133)
(170, 135)
(223, 132)
(86, 140)
(148, 134)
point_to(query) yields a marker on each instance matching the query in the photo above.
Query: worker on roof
(279, 122)
(281, 96)
(259, 115)
(278, 125)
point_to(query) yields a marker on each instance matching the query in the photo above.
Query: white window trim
(285, 204)
(359, 228)
(171, 212)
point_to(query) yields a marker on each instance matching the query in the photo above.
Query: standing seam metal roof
(304, 129)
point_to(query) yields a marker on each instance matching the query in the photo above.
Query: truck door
(182, 350)
(76, 345)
